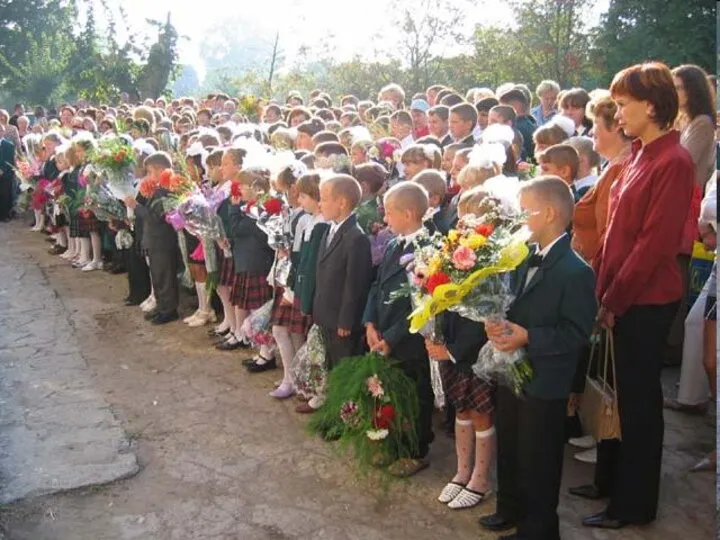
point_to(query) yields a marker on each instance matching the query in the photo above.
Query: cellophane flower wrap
(115, 162)
(197, 214)
(309, 371)
(272, 215)
(257, 327)
(372, 406)
(102, 202)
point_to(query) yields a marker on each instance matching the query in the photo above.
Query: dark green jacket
(558, 309)
(303, 277)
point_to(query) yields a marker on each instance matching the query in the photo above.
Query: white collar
(407, 141)
(544, 252)
(410, 238)
(314, 220)
(336, 225)
(586, 181)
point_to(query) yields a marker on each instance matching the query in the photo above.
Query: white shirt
(587, 181)
(407, 141)
(543, 253)
(308, 229)
(334, 226)
(477, 133)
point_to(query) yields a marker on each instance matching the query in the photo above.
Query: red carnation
(486, 229)
(273, 206)
(236, 190)
(440, 278)
(166, 178)
(384, 417)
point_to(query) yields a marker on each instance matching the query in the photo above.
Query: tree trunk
(272, 62)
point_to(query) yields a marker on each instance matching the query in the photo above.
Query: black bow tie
(535, 260)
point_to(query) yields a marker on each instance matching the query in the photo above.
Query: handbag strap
(593, 344)
(609, 358)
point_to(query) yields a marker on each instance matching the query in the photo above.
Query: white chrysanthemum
(377, 434)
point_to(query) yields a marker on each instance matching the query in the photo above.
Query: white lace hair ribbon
(487, 155)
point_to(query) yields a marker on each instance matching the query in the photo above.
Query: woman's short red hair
(651, 82)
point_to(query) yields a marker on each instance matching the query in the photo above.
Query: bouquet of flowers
(249, 107)
(28, 172)
(371, 405)
(101, 200)
(256, 326)
(308, 368)
(114, 154)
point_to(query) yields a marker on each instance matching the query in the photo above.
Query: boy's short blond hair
(553, 191)
(433, 181)
(345, 187)
(408, 196)
(471, 201)
(472, 176)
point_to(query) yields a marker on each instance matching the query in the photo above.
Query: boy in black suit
(161, 242)
(551, 318)
(436, 188)
(386, 320)
(344, 270)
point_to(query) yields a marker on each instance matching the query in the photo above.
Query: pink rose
(464, 258)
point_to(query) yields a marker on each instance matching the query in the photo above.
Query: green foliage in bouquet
(114, 154)
(372, 407)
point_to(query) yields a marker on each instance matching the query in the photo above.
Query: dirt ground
(219, 459)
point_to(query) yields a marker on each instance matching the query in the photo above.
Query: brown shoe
(304, 408)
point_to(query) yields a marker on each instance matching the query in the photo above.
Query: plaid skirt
(226, 276)
(250, 291)
(465, 390)
(75, 230)
(88, 224)
(300, 322)
(281, 313)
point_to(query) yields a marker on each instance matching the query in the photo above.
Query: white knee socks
(84, 250)
(96, 247)
(484, 453)
(287, 350)
(464, 446)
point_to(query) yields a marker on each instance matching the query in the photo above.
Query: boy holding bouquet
(551, 318)
(386, 320)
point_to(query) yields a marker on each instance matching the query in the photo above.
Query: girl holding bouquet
(88, 226)
(195, 158)
(284, 319)
(470, 395)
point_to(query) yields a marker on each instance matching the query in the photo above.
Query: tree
(633, 31)
(429, 27)
(161, 66)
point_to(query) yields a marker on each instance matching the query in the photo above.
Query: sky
(299, 21)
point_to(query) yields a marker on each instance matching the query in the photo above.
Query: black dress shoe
(213, 333)
(226, 346)
(57, 250)
(602, 521)
(259, 368)
(150, 315)
(496, 523)
(588, 491)
(164, 318)
(132, 302)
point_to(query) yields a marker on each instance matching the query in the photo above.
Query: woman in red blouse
(639, 286)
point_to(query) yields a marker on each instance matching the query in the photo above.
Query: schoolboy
(344, 270)
(589, 161)
(550, 320)
(561, 160)
(463, 118)
(436, 188)
(161, 242)
(386, 320)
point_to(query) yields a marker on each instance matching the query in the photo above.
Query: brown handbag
(599, 405)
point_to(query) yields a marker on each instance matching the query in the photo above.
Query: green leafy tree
(633, 31)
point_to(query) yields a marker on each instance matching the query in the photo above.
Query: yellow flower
(435, 265)
(453, 236)
(474, 241)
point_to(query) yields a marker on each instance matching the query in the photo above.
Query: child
(386, 321)
(551, 319)
(463, 118)
(435, 185)
(160, 240)
(303, 277)
(195, 157)
(418, 157)
(469, 395)
(252, 256)
(561, 160)
(589, 161)
(372, 178)
(230, 166)
(438, 118)
(281, 318)
(344, 270)
(79, 226)
(401, 127)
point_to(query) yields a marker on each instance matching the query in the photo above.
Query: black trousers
(138, 275)
(414, 362)
(164, 270)
(629, 470)
(6, 197)
(531, 441)
(337, 348)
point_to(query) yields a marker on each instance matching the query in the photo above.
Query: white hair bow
(487, 155)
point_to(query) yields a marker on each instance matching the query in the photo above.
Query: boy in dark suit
(551, 318)
(161, 242)
(386, 320)
(436, 188)
(344, 270)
